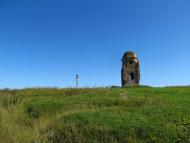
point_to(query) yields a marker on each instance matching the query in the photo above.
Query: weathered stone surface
(130, 73)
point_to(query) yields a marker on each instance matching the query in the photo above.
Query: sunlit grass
(134, 114)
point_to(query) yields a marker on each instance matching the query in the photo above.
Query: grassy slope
(136, 114)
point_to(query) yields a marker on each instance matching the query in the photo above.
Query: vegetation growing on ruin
(133, 114)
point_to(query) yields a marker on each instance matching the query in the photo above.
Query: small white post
(77, 81)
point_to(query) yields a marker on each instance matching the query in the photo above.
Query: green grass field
(100, 115)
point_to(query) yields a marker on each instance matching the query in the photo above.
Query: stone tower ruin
(130, 73)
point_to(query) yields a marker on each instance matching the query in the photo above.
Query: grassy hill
(102, 115)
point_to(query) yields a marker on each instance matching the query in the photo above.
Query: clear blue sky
(46, 42)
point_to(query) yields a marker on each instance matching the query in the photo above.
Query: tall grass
(99, 115)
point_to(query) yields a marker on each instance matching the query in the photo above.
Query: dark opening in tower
(132, 76)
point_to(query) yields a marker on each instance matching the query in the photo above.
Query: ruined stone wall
(130, 73)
